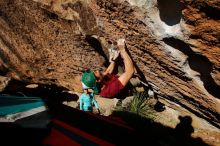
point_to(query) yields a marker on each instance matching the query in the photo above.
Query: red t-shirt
(111, 87)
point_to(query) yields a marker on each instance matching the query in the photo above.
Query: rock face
(3, 82)
(173, 43)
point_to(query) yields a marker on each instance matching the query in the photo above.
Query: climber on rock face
(110, 84)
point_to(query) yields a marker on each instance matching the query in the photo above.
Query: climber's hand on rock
(121, 44)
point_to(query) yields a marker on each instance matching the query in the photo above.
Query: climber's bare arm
(129, 67)
(110, 68)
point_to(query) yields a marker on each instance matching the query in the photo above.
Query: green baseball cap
(89, 79)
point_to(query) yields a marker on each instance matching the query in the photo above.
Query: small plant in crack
(141, 105)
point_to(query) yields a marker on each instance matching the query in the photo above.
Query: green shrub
(141, 105)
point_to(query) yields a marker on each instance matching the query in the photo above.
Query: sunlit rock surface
(174, 44)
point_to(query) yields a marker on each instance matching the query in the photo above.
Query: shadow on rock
(156, 134)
